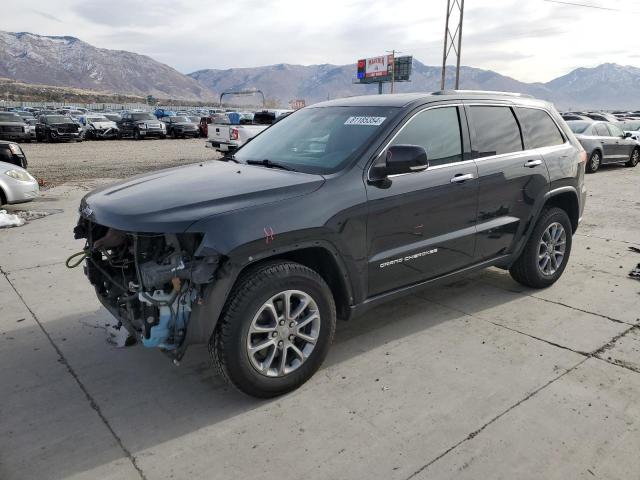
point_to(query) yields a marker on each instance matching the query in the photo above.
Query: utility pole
(393, 67)
(452, 38)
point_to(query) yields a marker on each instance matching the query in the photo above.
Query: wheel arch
(319, 256)
(567, 200)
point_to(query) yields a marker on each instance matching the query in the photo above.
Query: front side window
(496, 130)
(318, 140)
(615, 130)
(437, 130)
(538, 128)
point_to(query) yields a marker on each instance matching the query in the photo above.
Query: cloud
(528, 40)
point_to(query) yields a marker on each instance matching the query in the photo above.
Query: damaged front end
(149, 282)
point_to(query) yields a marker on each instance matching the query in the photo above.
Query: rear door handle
(533, 163)
(462, 177)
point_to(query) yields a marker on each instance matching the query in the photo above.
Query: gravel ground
(57, 163)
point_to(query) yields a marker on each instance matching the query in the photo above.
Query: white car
(632, 127)
(97, 126)
(16, 184)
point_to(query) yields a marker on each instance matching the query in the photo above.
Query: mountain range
(70, 62)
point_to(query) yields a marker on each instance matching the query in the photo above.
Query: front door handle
(533, 163)
(462, 177)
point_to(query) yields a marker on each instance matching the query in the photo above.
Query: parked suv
(140, 125)
(180, 126)
(12, 127)
(331, 211)
(53, 128)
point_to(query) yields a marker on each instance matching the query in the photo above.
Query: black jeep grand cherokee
(333, 210)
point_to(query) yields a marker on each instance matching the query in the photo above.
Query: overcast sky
(530, 40)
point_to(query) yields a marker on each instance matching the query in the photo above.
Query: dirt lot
(479, 379)
(57, 163)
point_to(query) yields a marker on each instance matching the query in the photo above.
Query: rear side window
(538, 128)
(436, 130)
(601, 130)
(496, 130)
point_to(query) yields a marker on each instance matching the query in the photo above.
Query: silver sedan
(16, 184)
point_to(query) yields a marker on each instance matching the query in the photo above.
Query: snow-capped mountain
(70, 62)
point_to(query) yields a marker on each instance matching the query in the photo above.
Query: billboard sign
(375, 67)
(380, 69)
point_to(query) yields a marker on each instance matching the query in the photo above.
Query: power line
(575, 4)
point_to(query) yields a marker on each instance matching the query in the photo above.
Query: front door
(422, 225)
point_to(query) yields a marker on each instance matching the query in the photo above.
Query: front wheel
(634, 159)
(594, 162)
(275, 330)
(136, 135)
(547, 251)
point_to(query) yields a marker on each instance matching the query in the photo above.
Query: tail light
(233, 133)
(583, 156)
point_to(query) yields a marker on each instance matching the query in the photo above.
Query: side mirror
(405, 159)
(627, 135)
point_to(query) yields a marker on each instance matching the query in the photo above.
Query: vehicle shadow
(147, 401)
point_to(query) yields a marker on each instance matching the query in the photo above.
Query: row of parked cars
(607, 137)
(76, 125)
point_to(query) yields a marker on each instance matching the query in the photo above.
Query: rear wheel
(594, 162)
(275, 330)
(547, 251)
(634, 159)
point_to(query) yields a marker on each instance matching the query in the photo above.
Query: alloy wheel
(283, 333)
(551, 249)
(595, 161)
(635, 157)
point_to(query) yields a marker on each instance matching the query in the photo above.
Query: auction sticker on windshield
(372, 121)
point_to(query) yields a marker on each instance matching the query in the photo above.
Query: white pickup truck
(225, 137)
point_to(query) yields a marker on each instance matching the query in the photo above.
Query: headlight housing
(142, 125)
(21, 175)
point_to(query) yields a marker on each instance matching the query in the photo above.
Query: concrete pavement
(479, 379)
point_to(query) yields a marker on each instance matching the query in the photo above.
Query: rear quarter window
(496, 130)
(538, 128)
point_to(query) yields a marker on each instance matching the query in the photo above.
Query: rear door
(609, 144)
(422, 225)
(511, 178)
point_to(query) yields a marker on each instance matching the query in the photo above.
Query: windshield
(10, 117)
(113, 118)
(58, 119)
(180, 120)
(194, 119)
(318, 140)
(579, 127)
(632, 125)
(97, 119)
(142, 116)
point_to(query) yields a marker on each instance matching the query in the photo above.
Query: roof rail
(481, 92)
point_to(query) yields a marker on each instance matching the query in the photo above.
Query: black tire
(136, 135)
(174, 135)
(48, 137)
(228, 345)
(594, 162)
(526, 269)
(634, 159)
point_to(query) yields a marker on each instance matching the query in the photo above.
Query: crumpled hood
(169, 201)
(104, 125)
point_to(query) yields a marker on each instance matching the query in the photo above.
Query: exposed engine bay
(149, 282)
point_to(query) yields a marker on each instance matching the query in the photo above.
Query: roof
(405, 99)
